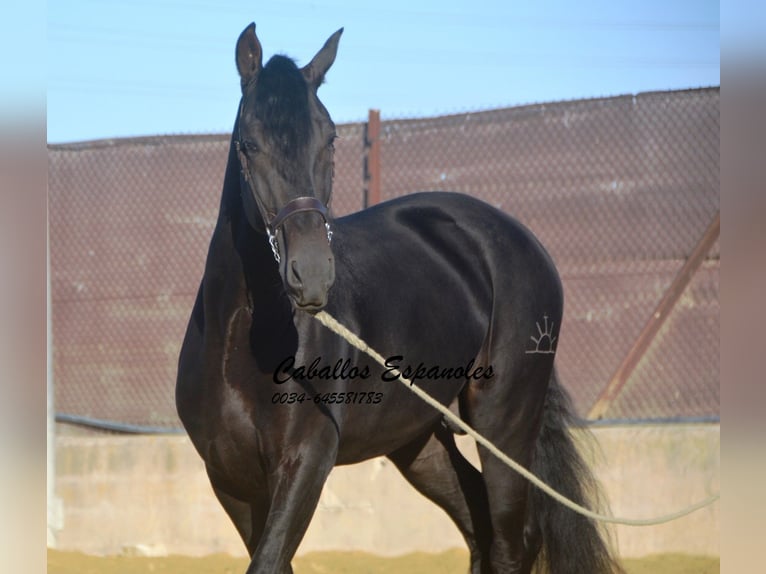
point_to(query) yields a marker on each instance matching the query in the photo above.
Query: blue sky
(145, 67)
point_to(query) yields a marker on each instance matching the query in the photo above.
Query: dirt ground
(451, 562)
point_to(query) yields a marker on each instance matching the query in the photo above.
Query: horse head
(284, 138)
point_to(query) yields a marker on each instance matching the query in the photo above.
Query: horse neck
(239, 254)
(241, 273)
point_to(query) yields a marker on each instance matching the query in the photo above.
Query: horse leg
(294, 487)
(240, 514)
(436, 468)
(509, 414)
(248, 517)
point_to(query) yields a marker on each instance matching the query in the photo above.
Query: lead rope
(331, 323)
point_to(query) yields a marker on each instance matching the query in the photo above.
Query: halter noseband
(298, 205)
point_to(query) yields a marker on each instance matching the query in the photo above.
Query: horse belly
(398, 419)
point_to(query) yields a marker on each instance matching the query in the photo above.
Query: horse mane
(282, 104)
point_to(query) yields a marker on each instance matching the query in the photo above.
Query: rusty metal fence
(624, 193)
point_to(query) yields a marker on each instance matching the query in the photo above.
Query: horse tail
(569, 542)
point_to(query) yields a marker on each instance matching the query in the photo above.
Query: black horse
(456, 294)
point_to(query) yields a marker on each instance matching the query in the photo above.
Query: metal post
(372, 159)
(652, 327)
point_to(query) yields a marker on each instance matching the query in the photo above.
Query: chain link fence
(620, 190)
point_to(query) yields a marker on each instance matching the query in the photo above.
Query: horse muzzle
(308, 280)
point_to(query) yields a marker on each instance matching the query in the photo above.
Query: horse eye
(250, 146)
(331, 142)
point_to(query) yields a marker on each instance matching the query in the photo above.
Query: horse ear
(249, 55)
(316, 69)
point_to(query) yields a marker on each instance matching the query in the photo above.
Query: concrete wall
(150, 495)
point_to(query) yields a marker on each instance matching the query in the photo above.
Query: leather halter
(297, 205)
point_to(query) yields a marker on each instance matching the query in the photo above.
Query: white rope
(331, 323)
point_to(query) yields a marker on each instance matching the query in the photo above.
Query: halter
(298, 205)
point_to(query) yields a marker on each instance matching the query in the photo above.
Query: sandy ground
(451, 562)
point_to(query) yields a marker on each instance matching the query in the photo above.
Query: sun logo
(543, 343)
